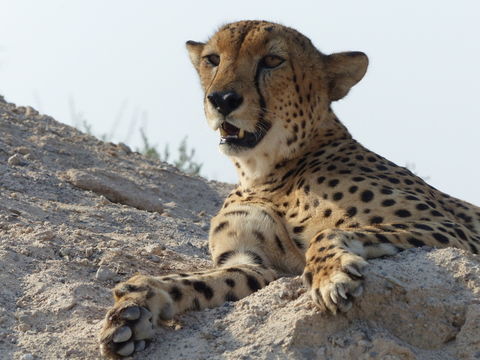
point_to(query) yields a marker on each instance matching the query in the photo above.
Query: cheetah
(311, 200)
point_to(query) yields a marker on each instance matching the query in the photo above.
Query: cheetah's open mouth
(232, 135)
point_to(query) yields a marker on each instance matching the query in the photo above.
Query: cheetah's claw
(337, 290)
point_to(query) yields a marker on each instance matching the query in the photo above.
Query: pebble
(45, 235)
(27, 357)
(155, 249)
(30, 111)
(22, 150)
(16, 159)
(104, 273)
(89, 251)
(125, 148)
(30, 157)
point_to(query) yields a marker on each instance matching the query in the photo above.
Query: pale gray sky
(417, 104)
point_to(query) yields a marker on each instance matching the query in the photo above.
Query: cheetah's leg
(335, 257)
(246, 243)
(144, 301)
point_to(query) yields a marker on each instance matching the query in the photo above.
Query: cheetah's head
(267, 87)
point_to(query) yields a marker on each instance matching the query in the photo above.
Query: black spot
(203, 288)
(403, 213)
(376, 220)
(351, 211)
(298, 243)
(279, 244)
(365, 169)
(415, 242)
(222, 259)
(461, 234)
(422, 227)
(436, 213)
(260, 237)
(175, 293)
(288, 174)
(339, 222)
(230, 296)
(253, 283)
(319, 237)
(326, 257)
(358, 178)
(393, 180)
(236, 212)
(230, 282)
(333, 183)
(220, 227)
(257, 259)
(473, 248)
(400, 226)
(298, 229)
(327, 212)
(386, 191)
(321, 179)
(388, 202)
(440, 238)
(382, 238)
(411, 197)
(366, 196)
(353, 189)
(195, 304)
(337, 196)
(308, 278)
(422, 206)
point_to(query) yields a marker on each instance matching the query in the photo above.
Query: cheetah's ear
(194, 51)
(345, 70)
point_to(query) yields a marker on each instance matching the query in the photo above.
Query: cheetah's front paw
(126, 330)
(336, 282)
(129, 324)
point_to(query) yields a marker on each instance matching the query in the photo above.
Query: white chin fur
(231, 150)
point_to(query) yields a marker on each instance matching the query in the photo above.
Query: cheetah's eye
(212, 59)
(271, 61)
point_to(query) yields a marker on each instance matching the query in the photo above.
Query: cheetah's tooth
(241, 134)
(122, 334)
(127, 349)
(223, 132)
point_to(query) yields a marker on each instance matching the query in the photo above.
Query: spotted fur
(311, 199)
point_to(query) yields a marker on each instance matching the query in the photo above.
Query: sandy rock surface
(78, 215)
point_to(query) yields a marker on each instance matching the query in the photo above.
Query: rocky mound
(78, 215)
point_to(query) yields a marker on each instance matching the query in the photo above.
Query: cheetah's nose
(225, 101)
